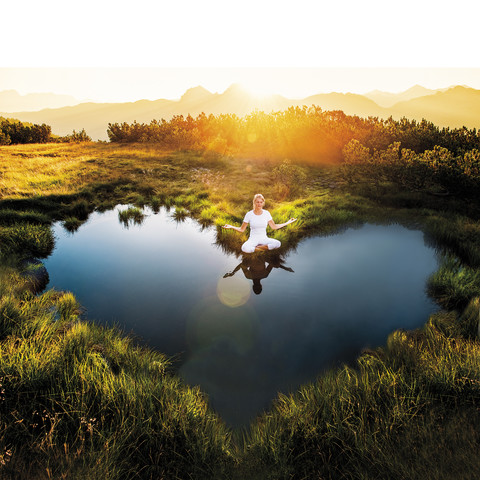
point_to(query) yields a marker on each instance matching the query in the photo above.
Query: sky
(117, 50)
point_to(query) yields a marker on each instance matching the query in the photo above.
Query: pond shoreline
(193, 310)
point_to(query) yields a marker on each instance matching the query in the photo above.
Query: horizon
(129, 84)
(156, 50)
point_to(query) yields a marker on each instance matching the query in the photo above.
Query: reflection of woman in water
(254, 269)
(258, 220)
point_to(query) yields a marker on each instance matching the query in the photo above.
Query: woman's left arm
(276, 226)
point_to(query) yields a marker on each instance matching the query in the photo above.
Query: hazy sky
(178, 44)
(130, 84)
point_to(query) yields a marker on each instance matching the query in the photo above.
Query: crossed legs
(263, 243)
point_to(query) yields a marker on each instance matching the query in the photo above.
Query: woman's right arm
(238, 229)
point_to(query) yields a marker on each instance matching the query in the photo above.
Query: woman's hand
(238, 229)
(292, 220)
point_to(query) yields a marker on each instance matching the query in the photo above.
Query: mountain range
(454, 107)
(12, 101)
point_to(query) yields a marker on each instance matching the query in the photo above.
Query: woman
(258, 218)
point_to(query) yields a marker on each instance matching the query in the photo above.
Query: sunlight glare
(211, 323)
(259, 87)
(234, 291)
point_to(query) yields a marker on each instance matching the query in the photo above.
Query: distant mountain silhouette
(455, 107)
(387, 99)
(349, 103)
(196, 95)
(12, 101)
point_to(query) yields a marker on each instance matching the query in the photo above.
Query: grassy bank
(80, 401)
(409, 410)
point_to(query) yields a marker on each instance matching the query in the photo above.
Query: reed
(72, 224)
(27, 240)
(456, 234)
(155, 203)
(454, 284)
(132, 215)
(180, 213)
(209, 214)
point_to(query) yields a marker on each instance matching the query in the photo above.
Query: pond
(245, 330)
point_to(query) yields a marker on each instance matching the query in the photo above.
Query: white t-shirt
(258, 223)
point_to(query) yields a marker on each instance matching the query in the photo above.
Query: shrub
(289, 179)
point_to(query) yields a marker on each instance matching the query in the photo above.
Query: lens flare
(233, 291)
(212, 325)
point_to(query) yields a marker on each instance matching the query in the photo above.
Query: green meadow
(80, 401)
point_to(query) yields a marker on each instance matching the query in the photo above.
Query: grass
(26, 239)
(131, 215)
(383, 419)
(81, 401)
(454, 284)
(10, 216)
(75, 392)
(72, 224)
(180, 213)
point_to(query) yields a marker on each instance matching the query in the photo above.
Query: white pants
(252, 242)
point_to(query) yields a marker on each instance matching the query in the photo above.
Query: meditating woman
(258, 218)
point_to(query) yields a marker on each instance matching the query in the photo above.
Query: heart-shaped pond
(245, 329)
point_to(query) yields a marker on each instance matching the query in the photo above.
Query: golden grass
(73, 169)
(37, 170)
(42, 169)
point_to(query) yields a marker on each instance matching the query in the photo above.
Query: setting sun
(258, 87)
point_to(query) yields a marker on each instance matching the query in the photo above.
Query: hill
(12, 101)
(387, 99)
(455, 107)
(349, 103)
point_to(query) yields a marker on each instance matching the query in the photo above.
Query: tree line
(13, 132)
(437, 170)
(415, 154)
(303, 133)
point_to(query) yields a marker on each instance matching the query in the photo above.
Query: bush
(14, 132)
(75, 137)
(289, 179)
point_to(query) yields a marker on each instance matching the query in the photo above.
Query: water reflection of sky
(169, 284)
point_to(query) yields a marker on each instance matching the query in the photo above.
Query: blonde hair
(258, 195)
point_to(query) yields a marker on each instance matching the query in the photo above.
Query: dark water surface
(170, 285)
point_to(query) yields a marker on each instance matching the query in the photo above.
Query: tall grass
(131, 215)
(454, 284)
(26, 239)
(72, 224)
(382, 419)
(10, 216)
(180, 213)
(76, 394)
(209, 215)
